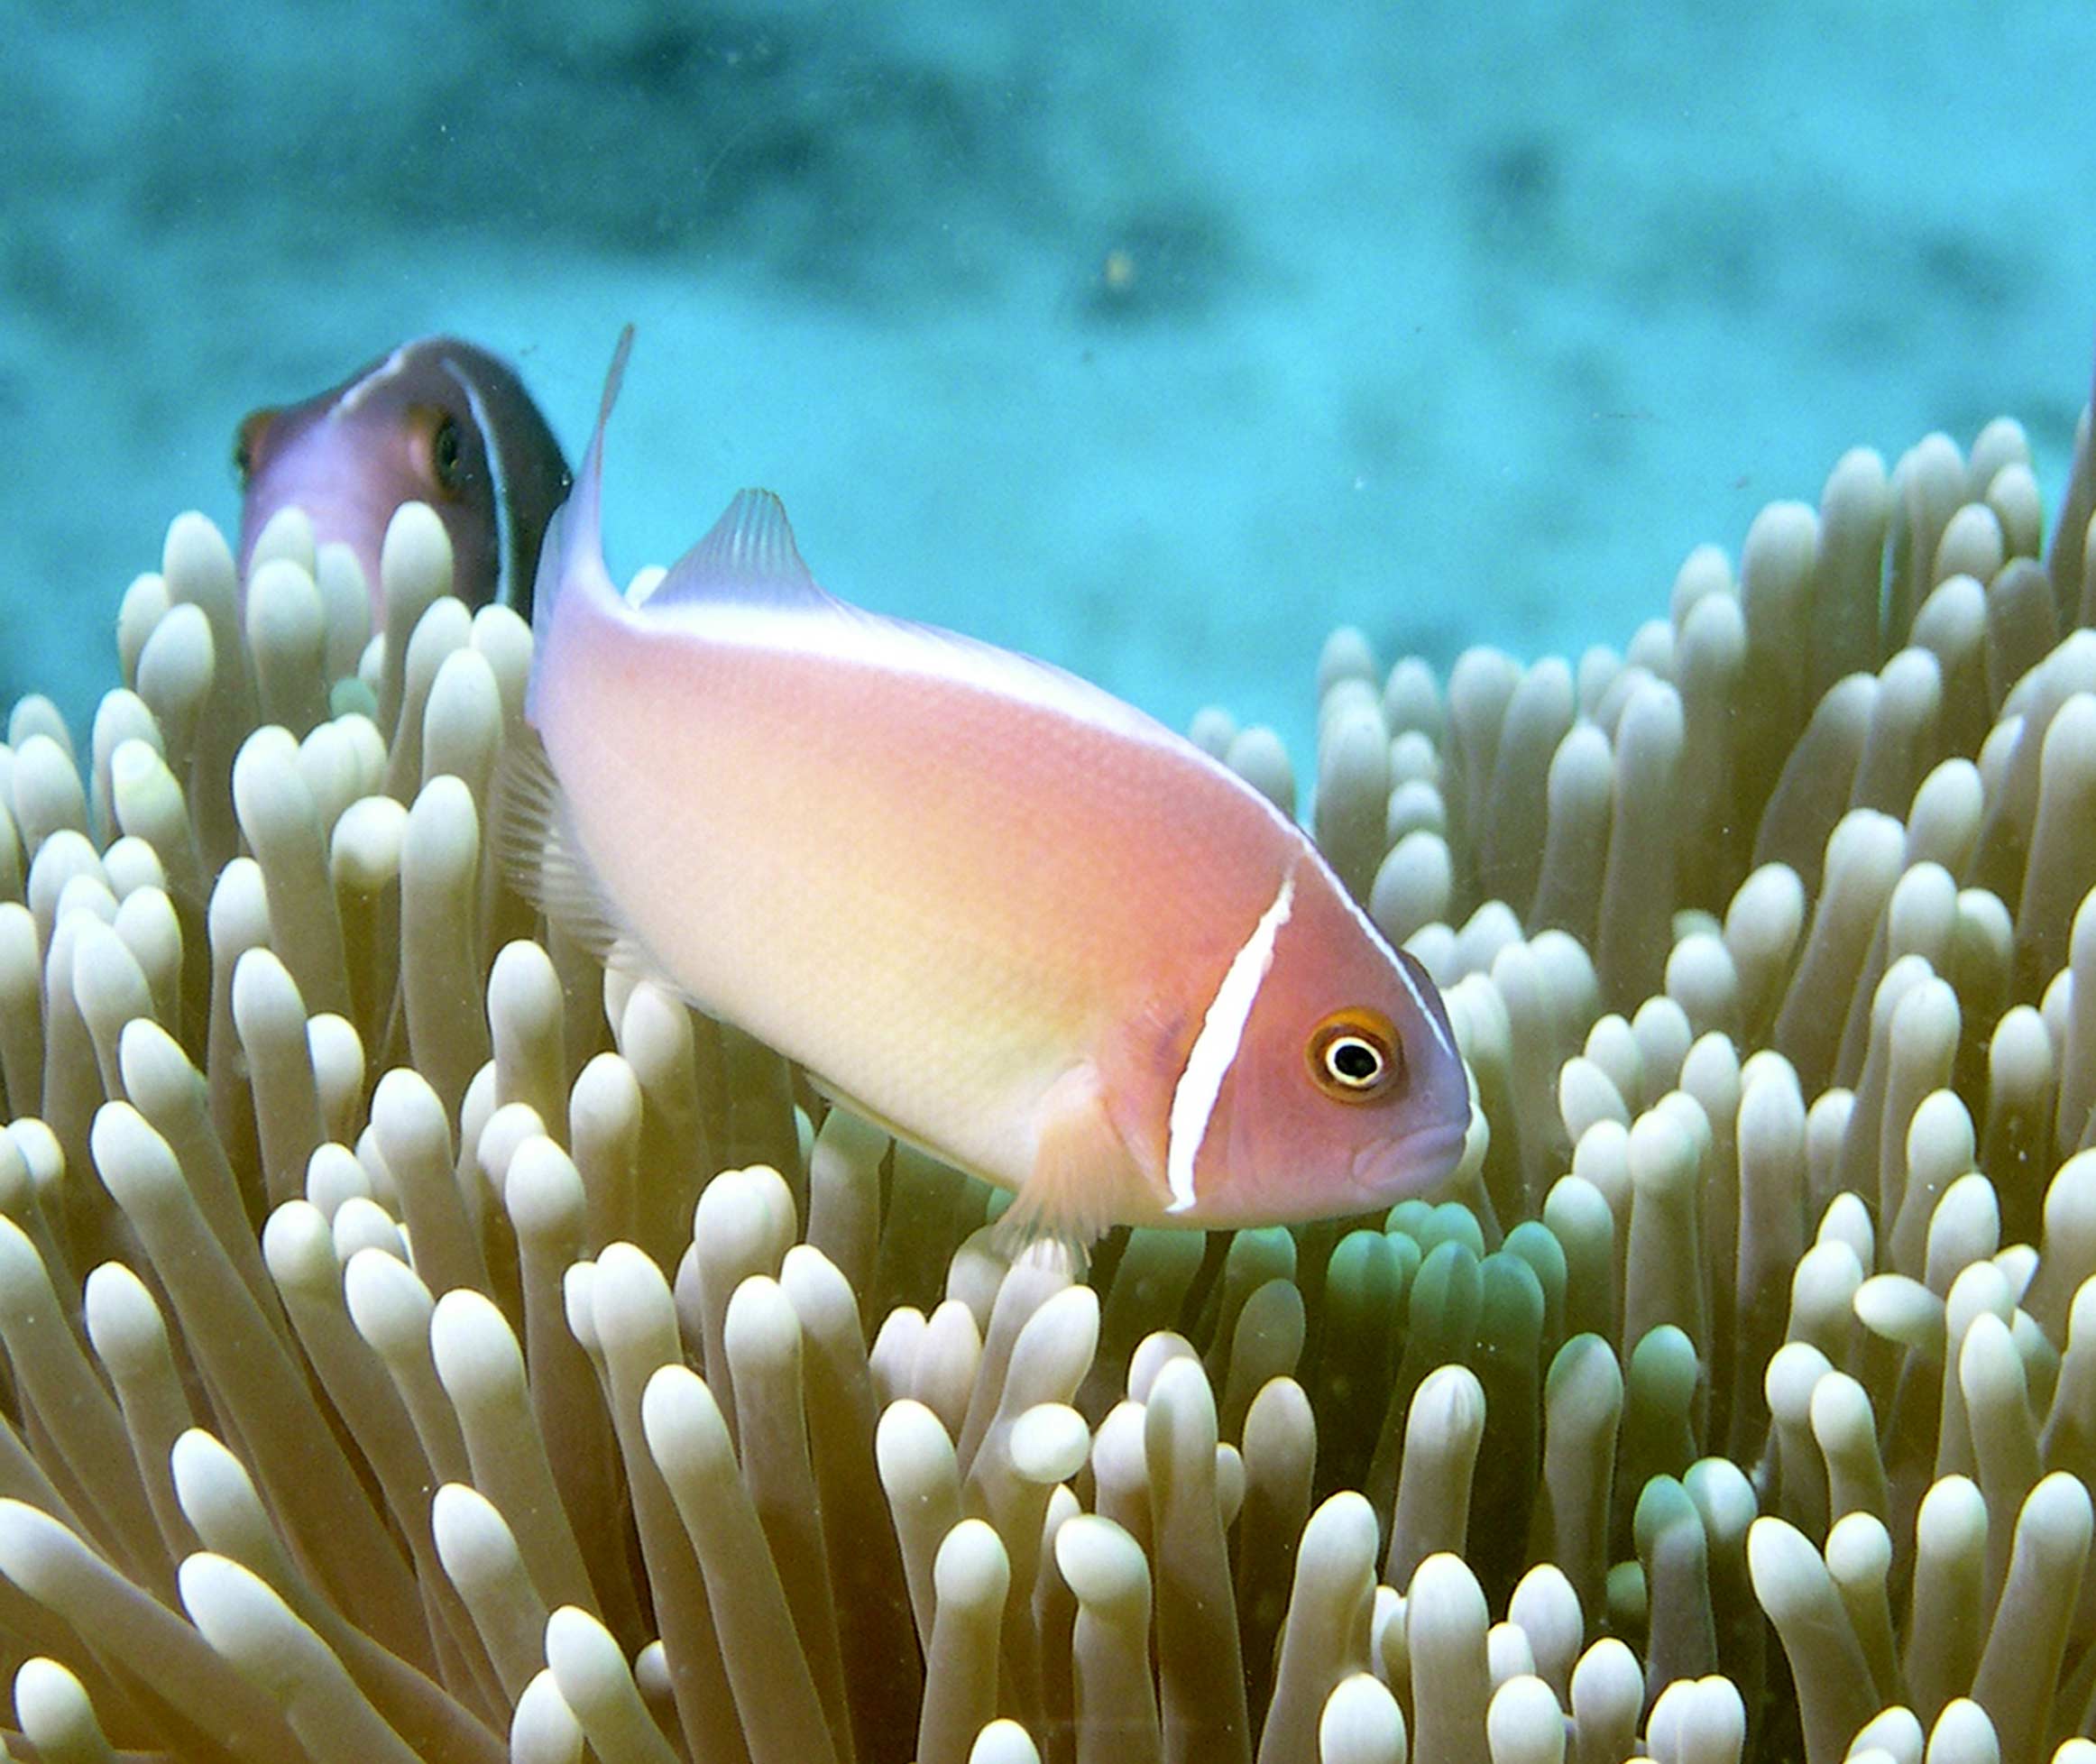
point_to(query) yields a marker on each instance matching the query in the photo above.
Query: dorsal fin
(748, 557)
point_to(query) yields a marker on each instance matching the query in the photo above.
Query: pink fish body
(1004, 913)
(436, 421)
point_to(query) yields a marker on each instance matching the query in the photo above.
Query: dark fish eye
(247, 443)
(439, 448)
(1355, 1057)
(444, 454)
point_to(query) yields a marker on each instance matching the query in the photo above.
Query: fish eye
(437, 438)
(1355, 1057)
(247, 443)
(444, 454)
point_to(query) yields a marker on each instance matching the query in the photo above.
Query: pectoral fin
(1084, 1179)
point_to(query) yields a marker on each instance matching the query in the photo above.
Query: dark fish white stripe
(394, 364)
(490, 434)
(1215, 1048)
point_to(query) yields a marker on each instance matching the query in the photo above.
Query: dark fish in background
(438, 421)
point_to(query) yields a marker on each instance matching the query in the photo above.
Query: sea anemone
(422, 1343)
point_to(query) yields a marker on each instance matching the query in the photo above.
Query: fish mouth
(1417, 1161)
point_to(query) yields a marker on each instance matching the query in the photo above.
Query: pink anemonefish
(985, 903)
(436, 421)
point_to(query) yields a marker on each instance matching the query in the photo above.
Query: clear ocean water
(1153, 340)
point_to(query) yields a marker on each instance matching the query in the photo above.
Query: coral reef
(421, 1344)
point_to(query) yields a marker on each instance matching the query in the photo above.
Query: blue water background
(1153, 340)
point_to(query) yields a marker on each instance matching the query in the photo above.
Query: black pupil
(445, 451)
(1355, 1061)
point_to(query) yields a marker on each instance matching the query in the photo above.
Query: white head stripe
(1215, 1049)
(499, 490)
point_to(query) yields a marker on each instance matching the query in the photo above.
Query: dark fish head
(436, 421)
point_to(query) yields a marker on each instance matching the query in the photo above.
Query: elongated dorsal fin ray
(748, 556)
(572, 553)
(584, 505)
(552, 568)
